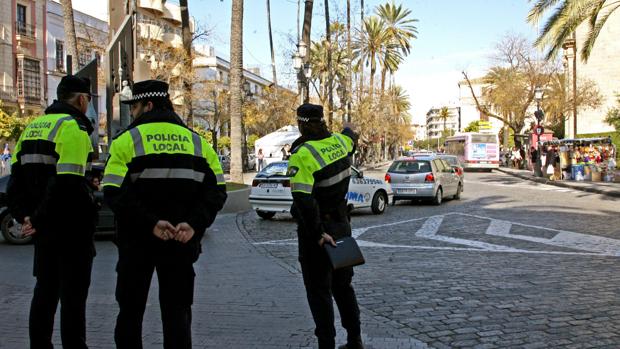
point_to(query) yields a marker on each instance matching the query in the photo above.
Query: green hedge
(615, 138)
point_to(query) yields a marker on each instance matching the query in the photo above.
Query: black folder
(346, 253)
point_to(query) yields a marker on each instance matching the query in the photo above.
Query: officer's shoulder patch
(292, 171)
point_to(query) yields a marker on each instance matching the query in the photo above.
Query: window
(410, 167)
(84, 56)
(60, 56)
(29, 79)
(21, 16)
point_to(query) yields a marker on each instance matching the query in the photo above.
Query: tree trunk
(373, 70)
(69, 24)
(305, 36)
(187, 46)
(330, 75)
(349, 92)
(383, 74)
(273, 56)
(236, 76)
(361, 95)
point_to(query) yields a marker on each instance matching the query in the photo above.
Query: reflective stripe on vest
(301, 187)
(335, 179)
(197, 145)
(138, 147)
(113, 179)
(220, 178)
(37, 159)
(172, 173)
(73, 168)
(315, 154)
(344, 145)
(54, 131)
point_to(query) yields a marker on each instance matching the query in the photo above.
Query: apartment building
(211, 68)
(92, 39)
(435, 123)
(22, 56)
(603, 67)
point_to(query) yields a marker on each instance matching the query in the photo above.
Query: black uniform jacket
(325, 203)
(139, 205)
(58, 205)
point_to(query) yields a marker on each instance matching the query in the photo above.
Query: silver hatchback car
(424, 177)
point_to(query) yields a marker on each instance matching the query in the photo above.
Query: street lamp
(538, 96)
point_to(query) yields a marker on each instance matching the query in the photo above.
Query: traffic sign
(539, 130)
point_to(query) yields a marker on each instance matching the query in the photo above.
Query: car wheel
(459, 189)
(379, 202)
(438, 197)
(11, 231)
(265, 215)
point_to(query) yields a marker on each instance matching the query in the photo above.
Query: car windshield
(412, 166)
(450, 159)
(275, 169)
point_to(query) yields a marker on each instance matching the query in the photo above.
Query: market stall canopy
(272, 143)
(578, 141)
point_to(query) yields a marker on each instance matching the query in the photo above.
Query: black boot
(357, 344)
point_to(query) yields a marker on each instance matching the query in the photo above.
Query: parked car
(11, 229)
(454, 162)
(424, 177)
(271, 191)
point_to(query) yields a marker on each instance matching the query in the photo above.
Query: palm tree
(401, 31)
(236, 98)
(187, 46)
(69, 24)
(330, 77)
(273, 56)
(348, 93)
(567, 15)
(305, 37)
(370, 45)
(444, 115)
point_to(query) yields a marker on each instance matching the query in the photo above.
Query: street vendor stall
(582, 159)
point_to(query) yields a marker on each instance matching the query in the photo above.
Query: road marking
(531, 186)
(589, 245)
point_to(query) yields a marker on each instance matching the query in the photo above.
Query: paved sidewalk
(244, 298)
(604, 188)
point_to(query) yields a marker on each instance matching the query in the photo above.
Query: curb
(615, 194)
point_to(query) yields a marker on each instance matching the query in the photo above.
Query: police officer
(49, 194)
(165, 185)
(319, 168)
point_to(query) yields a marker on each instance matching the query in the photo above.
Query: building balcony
(153, 5)
(150, 31)
(25, 32)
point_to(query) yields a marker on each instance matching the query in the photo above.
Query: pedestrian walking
(319, 169)
(5, 158)
(165, 185)
(49, 194)
(261, 160)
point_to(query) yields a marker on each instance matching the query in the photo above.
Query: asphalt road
(512, 264)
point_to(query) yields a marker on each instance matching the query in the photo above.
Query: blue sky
(454, 35)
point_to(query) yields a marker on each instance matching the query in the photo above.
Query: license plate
(483, 162)
(406, 191)
(268, 185)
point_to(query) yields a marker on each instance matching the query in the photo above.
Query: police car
(271, 191)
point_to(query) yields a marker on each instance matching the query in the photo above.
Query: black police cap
(148, 89)
(73, 84)
(310, 113)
